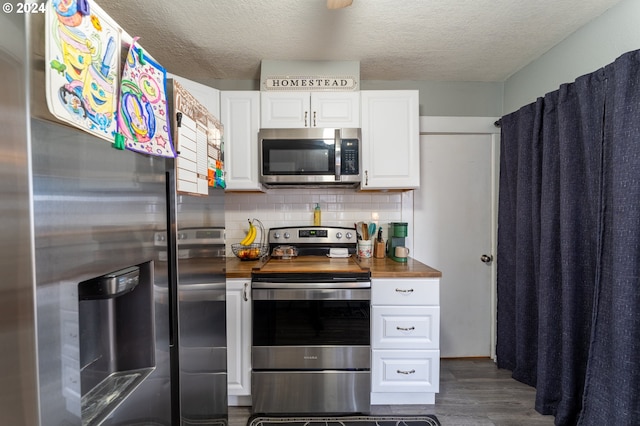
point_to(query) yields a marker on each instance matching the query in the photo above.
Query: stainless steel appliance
(201, 304)
(89, 311)
(311, 326)
(310, 156)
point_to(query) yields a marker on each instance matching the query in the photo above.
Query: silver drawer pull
(406, 328)
(406, 372)
(399, 290)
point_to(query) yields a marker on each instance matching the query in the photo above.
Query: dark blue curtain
(612, 391)
(558, 250)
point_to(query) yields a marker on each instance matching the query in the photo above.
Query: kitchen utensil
(358, 235)
(372, 229)
(364, 231)
(380, 234)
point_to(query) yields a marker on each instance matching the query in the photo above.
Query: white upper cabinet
(281, 110)
(390, 139)
(240, 116)
(335, 109)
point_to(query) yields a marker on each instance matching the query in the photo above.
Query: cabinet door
(335, 109)
(240, 116)
(239, 336)
(405, 327)
(285, 110)
(405, 291)
(390, 139)
(405, 371)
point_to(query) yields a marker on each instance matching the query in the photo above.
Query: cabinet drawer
(405, 291)
(398, 327)
(405, 371)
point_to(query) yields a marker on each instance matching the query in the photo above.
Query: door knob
(486, 258)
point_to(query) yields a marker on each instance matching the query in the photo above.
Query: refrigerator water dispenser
(116, 336)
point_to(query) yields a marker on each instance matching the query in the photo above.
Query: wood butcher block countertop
(387, 268)
(380, 268)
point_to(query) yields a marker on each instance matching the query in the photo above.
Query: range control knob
(339, 235)
(349, 235)
(287, 235)
(276, 235)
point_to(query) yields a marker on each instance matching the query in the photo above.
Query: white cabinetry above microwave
(390, 139)
(285, 110)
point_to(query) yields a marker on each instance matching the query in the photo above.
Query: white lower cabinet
(239, 341)
(405, 340)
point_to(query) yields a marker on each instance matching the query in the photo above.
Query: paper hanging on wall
(82, 65)
(200, 144)
(143, 115)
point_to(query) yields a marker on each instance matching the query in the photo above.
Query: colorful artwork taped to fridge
(143, 112)
(82, 65)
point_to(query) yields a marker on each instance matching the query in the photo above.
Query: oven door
(313, 346)
(311, 328)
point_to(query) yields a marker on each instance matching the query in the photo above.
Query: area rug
(360, 420)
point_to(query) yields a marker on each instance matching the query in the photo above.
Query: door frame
(470, 125)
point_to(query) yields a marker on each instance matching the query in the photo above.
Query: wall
(437, 98)
(294, 207)
(591, 47)
(449, 98)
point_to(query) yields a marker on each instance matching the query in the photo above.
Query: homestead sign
(310, 83)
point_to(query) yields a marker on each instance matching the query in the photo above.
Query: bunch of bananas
(251, 235)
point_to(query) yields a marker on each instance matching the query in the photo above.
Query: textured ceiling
(445, 40)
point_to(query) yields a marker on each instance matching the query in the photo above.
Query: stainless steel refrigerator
(112, 295)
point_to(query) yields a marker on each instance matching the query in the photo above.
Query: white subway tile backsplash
(294, 207)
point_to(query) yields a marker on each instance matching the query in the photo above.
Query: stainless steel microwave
(312, 156)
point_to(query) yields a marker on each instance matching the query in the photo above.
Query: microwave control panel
(350, 157)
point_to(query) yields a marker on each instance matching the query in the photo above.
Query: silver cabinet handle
(399, 290)
(406, 328)
(306, 113)
(244, 293)
(406, 372)
(366, 177)
(314, 119)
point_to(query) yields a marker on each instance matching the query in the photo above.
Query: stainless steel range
(311, 324)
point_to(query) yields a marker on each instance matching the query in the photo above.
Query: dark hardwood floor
(473, 392)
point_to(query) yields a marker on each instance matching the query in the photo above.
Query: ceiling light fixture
(338, 4)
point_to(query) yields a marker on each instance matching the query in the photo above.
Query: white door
(453, 228)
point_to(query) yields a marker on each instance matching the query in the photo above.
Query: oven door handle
(311, 294)
(311, 285)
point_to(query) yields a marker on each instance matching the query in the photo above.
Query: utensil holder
(364, 248)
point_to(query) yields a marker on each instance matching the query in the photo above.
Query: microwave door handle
(338, 154)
